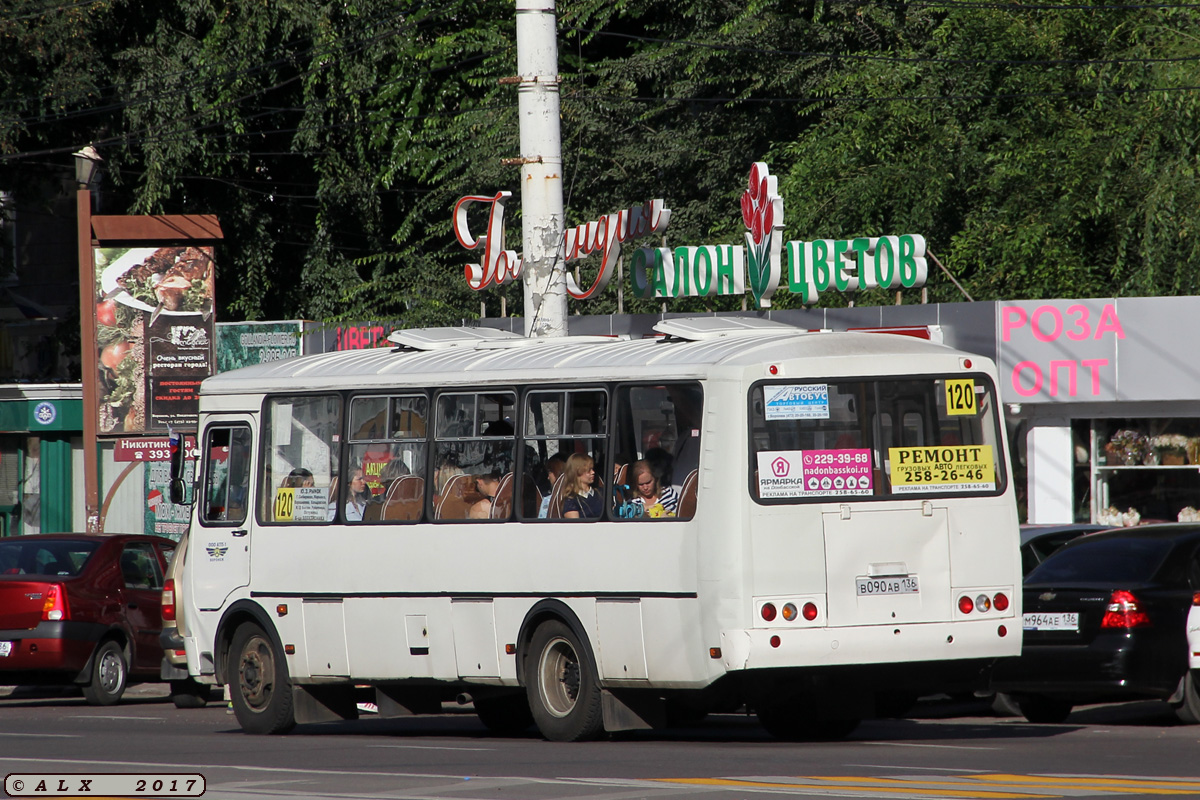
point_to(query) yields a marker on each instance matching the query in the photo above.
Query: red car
(82, 609)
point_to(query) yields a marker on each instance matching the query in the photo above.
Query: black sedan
(1105, 620)
(1039, 541)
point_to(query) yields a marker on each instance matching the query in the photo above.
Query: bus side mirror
(176, 445)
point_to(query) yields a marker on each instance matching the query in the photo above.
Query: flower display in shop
(1119, 519)
(1128, 447)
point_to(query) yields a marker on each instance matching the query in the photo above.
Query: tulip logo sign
(762, 213)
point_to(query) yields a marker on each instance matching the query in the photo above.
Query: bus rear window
(818, 440)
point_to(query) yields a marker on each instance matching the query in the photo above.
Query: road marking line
(860, 784)
(45, 735)
(933, 746)
(429, 747)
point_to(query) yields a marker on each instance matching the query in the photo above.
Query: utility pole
(541, 169)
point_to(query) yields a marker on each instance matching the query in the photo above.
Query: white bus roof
(689, 347)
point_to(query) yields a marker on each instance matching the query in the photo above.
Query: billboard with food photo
(154, 334)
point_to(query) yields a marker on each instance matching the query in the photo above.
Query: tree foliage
(1043, 151)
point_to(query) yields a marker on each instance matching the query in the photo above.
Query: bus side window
(298, 481)
(556, 424)
(226, 474)
(657, 436)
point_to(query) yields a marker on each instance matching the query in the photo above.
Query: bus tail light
(983, 602)
(168, 600)
(54, 606)
(768, 611)
(1196, 598)
(966, 605)
(810, 611)
(789, 611)
(1000, 601)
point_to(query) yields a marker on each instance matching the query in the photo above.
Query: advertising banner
(154, 336)
(244, 344)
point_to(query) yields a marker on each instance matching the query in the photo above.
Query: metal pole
(88, 357)
(541, 169)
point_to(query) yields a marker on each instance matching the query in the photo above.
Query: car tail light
(1196, 599)
(966, 605)
(168, 600)
(809, 611)
(1000, 601)
(54, 606)
(1122, 612)
(768, 611)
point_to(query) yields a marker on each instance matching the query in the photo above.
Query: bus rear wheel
(562, 684)
(261, 689)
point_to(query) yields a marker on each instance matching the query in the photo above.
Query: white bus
(839, 531)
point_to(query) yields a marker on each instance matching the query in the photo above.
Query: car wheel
(110, 675)
(507, 714)
(791, 721)
(1044, 710)
(261, 690)
(1188, 710)
(563, 688)
(189, 693)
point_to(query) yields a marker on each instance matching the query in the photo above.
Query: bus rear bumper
(781, 648)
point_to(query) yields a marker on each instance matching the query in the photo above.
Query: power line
(885, 58)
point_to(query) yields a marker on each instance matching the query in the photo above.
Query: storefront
(40, 452)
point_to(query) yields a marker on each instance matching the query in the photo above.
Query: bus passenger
(655, 500)
(487, 484)
(579, 500)
(358, 496)
(298, 478)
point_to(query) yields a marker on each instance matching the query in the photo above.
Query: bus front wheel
(261, 690)
(563, 688)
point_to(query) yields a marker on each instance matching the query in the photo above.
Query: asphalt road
(947, 750)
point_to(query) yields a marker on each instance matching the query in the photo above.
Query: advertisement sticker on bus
(797, 401)
(301, 503)
(814, 473)
(957, 468)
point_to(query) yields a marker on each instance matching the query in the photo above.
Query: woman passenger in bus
(579, 499)
(297, 478)
(358, 496)
(656, 500)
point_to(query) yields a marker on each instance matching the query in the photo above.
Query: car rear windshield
(1107, 559)
(62, 559)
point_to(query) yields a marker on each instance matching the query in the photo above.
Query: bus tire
(563, 688)
(261, 690)
(1043, 710)
(506, 715)
(110, 675)
(1188, 709)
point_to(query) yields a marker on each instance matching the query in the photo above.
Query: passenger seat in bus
(687, 496)
(453, 502)
(503, 501)
(404, 498)
(556, 499)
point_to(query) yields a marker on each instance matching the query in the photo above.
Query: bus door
(887, 567)
(220, 545)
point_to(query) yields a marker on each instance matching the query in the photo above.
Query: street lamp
(87, 165)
